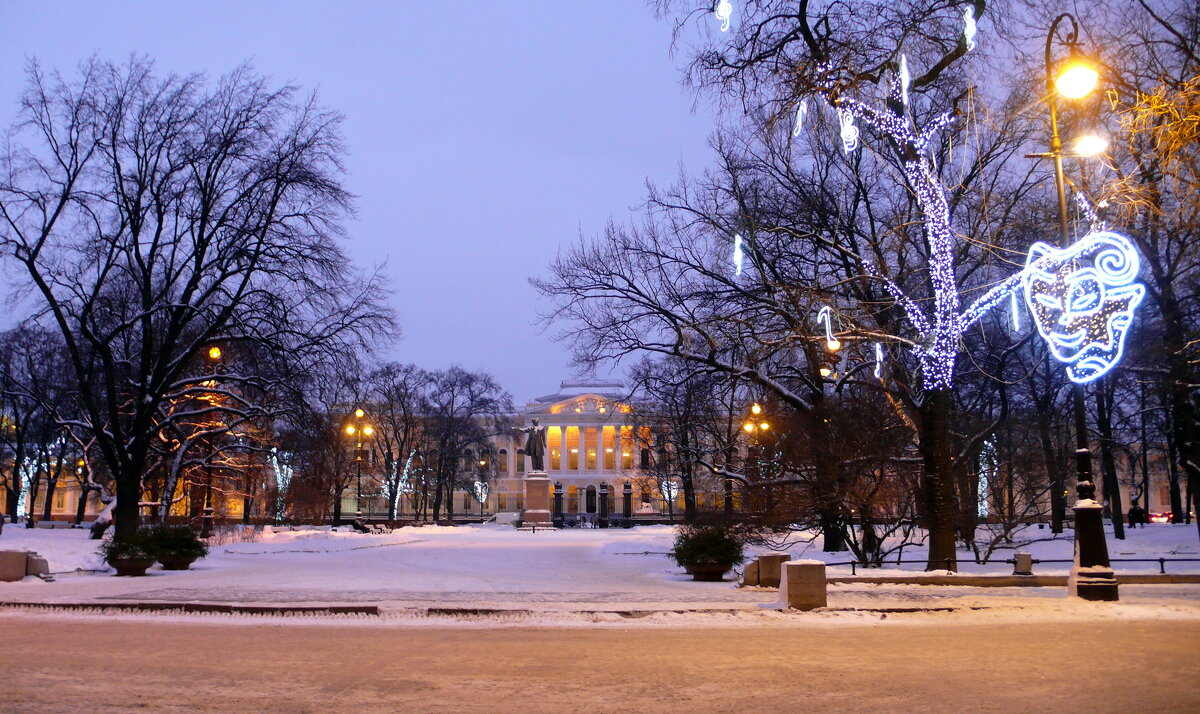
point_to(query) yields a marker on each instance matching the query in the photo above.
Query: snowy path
(500, 567)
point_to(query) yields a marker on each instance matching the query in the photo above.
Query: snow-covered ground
(567, 570)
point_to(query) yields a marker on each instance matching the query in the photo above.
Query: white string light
(801, 112)
(878, 360)
(738, 254)
(724, 13)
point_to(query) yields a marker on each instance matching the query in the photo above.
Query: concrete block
(768, 568)
(1023, 564)
(12, 565)
(802, 585)
(36, 565)
(750, 574)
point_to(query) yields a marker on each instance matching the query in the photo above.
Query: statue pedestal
(537, 501)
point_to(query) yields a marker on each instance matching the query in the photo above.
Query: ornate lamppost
(1091, 576)
(361, 430)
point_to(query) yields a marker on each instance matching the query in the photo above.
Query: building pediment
(589, 405)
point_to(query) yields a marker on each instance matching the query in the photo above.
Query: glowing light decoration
(849, 131)
(969, 28)
(801, 112)
(1082, 300)
(905, 79)
(724, 13)
(825, 316)
(1015, 308)
(738, 254)
(989, 468)
(878, 360)
(480, 490)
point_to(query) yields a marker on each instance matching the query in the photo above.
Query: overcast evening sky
(482, 135)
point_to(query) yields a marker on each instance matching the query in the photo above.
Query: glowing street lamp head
(749, 427)
(834, 344)
(825, 371)
(369, 430)
(1090, 145)
(756, 408)
(350, 429)
(764, 426)
(214, 353)
(1077, 80)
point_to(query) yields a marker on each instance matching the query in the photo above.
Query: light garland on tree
(738, 254)
(724, 13)
(905, 80)
(878, 360)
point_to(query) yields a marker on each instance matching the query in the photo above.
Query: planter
(131, 566)
(708, 572)
(176, 562)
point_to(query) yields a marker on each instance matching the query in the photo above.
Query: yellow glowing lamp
(833, 344)
(764, 426)
(350, 429)
(756, 409)
(825, 371)
(359, 413)
(214, 353)
(369, 430)
(482, 462)
(1090, 145)
(748, 427)
(1077, 80)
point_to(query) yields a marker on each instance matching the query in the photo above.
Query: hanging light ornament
(849, 131)
(905, 79)
(801, 112)
(825, 316)
(969, 28)
(724, 12)
(878, 360)
(1014, 308)
(1082, 299)
(738, 254)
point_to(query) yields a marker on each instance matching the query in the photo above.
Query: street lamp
(361, 430)
(214, 356)
(1075, 80)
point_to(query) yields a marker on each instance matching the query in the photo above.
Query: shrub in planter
(707, 552)
(128, 556)
(176, 547)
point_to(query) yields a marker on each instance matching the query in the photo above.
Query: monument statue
(535, 445)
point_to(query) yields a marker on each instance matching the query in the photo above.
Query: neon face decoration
(1082, 300)
(969, 28)
(737, 254)
(849, 131)
(724, 12)
(801, 112)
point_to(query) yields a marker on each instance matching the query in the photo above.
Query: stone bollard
(1023, 564)
(768, 569)
(12, 565)
(750, 574)
(802, 585)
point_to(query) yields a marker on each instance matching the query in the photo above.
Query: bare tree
(153, 217)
